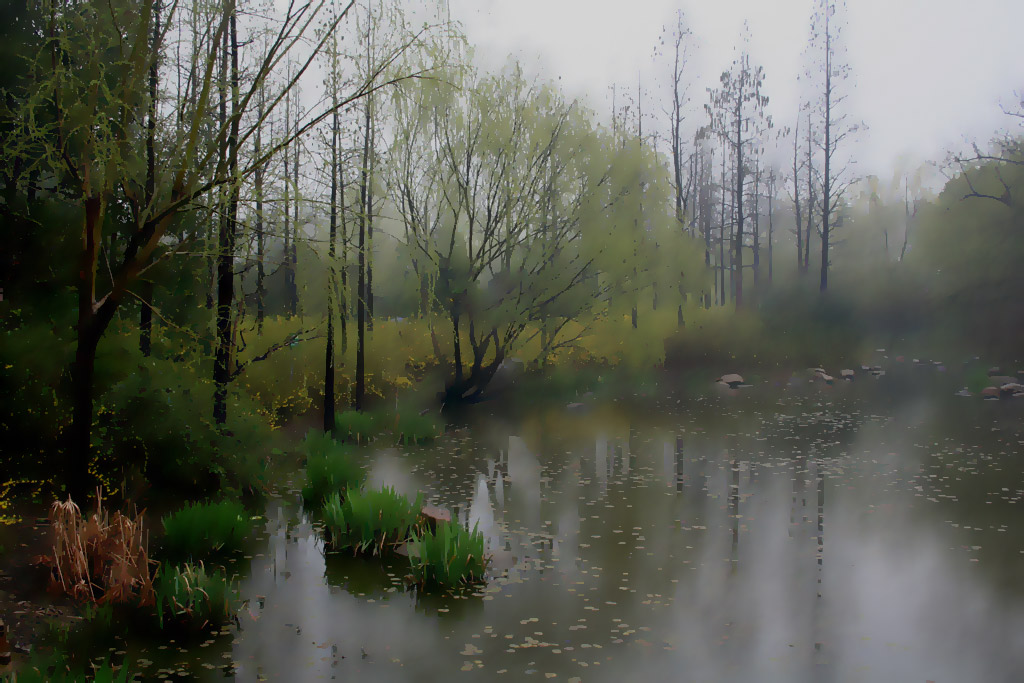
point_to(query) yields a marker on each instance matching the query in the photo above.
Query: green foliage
(203, 530)
(370, 521)
(189, 596)
(415, 428)
(157, 417)
(330, 468)
(449, 556)
(356, 426)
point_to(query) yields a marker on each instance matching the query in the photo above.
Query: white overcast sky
(926, 74)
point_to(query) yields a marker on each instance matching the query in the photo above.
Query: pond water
(840, 536)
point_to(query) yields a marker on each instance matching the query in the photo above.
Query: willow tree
(88, 97)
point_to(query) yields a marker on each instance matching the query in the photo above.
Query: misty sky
(926, 74)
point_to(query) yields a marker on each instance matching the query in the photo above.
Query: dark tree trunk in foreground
(329, 357)
(226, 251)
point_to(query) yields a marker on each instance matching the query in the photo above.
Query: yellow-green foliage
(290, 381)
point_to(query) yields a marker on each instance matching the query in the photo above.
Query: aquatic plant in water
(190, 595)
(330, 468)
(449, 555)
(370, 521)
(356, 426)
(202, 530)
(416, 428)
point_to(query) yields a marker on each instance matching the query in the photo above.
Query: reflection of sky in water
(637, 554)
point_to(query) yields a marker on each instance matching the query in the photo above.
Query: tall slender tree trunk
(757, 230)
(79, 451)
(771, 229)
(737, 269)
(826, 189)
(226, 243)
(721, 239)
(329, 406)
(797, 211)
(810, 196)
(286, 256)
(369, 229)
(146, 309)
(364, 210)
(261, 273)
(293, 256)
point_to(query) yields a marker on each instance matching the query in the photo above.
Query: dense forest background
(221, 217)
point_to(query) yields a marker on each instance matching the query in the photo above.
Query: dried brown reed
(103, 558)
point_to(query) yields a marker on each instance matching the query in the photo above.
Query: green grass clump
(189, 595)
(330, 468)
(203, 530)
(370, 521)
(356, 426)
(416, 429)
(449, 556)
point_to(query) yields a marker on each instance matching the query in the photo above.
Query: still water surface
(839, 537)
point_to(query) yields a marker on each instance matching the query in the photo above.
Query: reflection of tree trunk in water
(799, 470)
(821, 521)
(820, 662)
(627, 449)
(680, 461)
(734, 513)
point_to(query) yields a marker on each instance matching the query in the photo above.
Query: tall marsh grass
(330, 468)
(448, 556)
(370, 522)
(189, 595)
(203, 530)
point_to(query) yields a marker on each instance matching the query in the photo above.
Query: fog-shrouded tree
(738, 117)
(830, 76)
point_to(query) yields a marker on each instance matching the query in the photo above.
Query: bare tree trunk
(369, 226)
(360, 389)
(796, 199)
(826, 189)
(261, 292)
(757, 229)
(810, 196)
(722, 297)
(146, 314)
(737, 269)
(771, 225)
(226, 242)
(329, 355)
(293, 256)
(90, 328)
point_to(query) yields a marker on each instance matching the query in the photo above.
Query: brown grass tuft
(101, 558)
